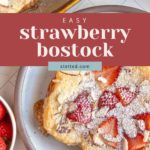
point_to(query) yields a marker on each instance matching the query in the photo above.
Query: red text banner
(36, 39)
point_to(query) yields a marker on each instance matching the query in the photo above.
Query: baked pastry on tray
(15, 6)
(99, 110)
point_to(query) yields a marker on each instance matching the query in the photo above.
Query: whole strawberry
(2, 111)
(6, 130)
(2, 144)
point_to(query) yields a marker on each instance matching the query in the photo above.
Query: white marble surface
(8, 75)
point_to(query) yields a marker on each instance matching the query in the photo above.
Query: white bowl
(13, 122)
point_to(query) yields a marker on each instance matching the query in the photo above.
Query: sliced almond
(57, 118)
(102, 112)
(56, 81)
(124, 144)
(71, 72)
(98, 140)
(72, 107)
(146, 105)
(102, 79)
(60, 108)
(146, 135)
(60, 99)
(141, 124)
(64, 109)
(84, 72)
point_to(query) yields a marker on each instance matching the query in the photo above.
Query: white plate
(144, 4)
(32, 86)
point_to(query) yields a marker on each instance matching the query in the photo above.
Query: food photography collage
(98, 99)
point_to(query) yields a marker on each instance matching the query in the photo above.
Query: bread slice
(15, 6)
(51, 114)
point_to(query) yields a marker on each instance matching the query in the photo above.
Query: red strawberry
(109, 73)
(125, 95)
(2, 144)
(108, 99)
(145, 118)
(7, 118)
(109, 126)
(6, 130)
(83, 112)
(136, 143)
(2, 111)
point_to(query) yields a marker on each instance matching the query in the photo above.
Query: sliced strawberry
(2, 111)
(108, 99)
(6, 130)
(2, 144)
(84, 108)
(108, 73)
(109, 126)
(145, 118)
(125, 95)
(136, 143)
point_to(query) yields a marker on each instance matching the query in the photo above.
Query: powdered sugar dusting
(130, 78)
(88, 84)
(129, 126)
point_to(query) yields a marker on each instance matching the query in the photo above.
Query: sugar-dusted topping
(94, 123)
(100, 113)
(64, 128)
(124, 115)
(128, 77)
(129, 126)
(145, 87)
(81, 128)
(108, 99)
(141, 125)
(58, 118)
(144, 94)
(89, 84)
(111, 138)
(112, 88)
(146, 135)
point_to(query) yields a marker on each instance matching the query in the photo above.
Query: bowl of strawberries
(7, 126)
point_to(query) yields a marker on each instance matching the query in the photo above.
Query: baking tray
(49, 6)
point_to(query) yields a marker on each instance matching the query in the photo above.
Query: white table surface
(8, 75)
